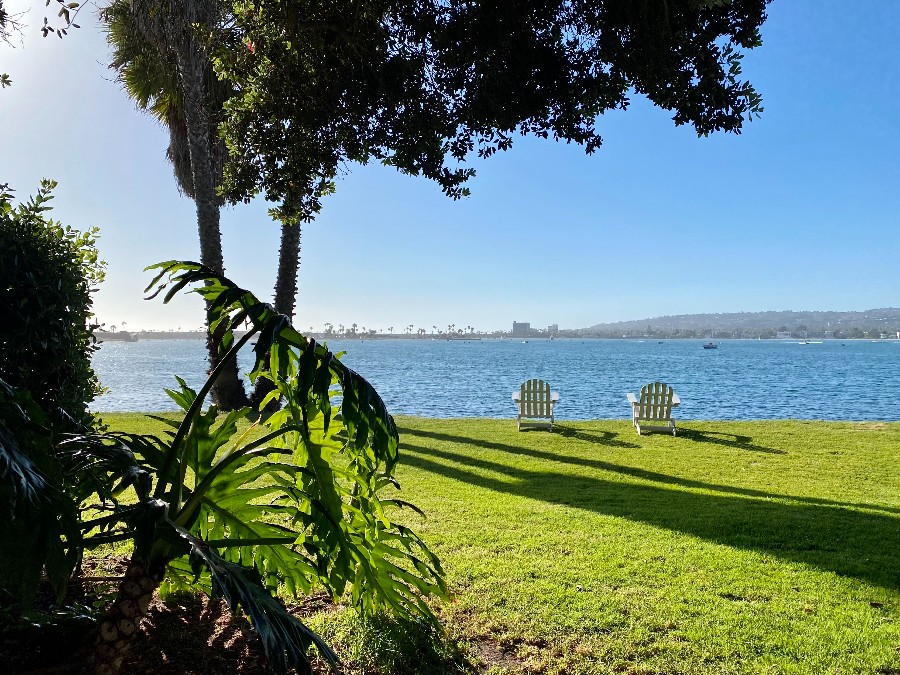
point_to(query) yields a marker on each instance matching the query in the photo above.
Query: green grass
(736, 547)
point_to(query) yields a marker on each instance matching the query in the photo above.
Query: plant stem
(188, 422)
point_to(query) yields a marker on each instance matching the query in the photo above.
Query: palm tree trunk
(228, 392)
(123, 618)
(288, 267)
(285, 294)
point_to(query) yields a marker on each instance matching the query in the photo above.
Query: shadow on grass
(608, 438)
(830, 536)
(634, 472)
(729, 440)
(605, 438)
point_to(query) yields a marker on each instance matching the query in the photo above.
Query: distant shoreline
(125, 336)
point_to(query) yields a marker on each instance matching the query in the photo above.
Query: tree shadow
(606, 438)
(631, 471)
(729, 440)
(830, 536)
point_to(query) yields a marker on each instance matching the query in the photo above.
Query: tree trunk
(228, 392)
(285, 295)
(123, 618)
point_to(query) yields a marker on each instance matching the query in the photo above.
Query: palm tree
(162, 66)
(164, 69)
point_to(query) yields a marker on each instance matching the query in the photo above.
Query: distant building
(553, 328)
(829, 334)
(520, 329)
(782, 334)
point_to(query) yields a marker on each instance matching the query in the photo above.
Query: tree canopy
(424, 85)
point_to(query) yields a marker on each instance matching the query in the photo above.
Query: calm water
(853, 380)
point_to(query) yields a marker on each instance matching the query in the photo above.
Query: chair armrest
(675, 399)
(632, 399)
(516, 395)
(554, 396)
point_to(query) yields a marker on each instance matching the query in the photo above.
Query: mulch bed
(193, 636)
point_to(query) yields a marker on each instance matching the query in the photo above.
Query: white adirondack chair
(535, 402)
(653, 411)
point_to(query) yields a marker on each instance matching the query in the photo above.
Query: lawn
(735, 547)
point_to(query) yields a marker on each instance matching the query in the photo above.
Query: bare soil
(192, 636)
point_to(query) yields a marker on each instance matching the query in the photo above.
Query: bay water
(741, 380)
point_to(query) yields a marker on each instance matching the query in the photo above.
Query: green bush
(47, 275)
(38, 516)
(388, 645)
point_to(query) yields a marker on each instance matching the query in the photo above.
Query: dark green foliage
(385, 644)
(47, 275)
(8, 25)
(423, 85)
(38, 517)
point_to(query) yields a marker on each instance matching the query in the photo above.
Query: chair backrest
(534, 399)
(656, 401)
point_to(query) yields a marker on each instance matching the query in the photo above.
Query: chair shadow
(729, 440)
(608, 438)
(831, 536)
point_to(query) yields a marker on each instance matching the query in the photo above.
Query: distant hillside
(751, 324)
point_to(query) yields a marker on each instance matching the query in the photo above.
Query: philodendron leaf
(302, 505)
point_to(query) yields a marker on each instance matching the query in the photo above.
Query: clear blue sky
(801, 211)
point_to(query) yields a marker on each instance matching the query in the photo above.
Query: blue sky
(801, 211)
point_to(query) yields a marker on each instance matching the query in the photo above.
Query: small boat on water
(710, 345)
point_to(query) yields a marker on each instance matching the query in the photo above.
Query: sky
(801, 211)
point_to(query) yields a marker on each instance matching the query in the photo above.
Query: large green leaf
(343, 444)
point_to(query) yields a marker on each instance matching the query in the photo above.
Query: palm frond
(285, 639)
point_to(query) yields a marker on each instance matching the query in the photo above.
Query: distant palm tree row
(354, 330)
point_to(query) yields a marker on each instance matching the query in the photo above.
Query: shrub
(37, 516)
(48, 273)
